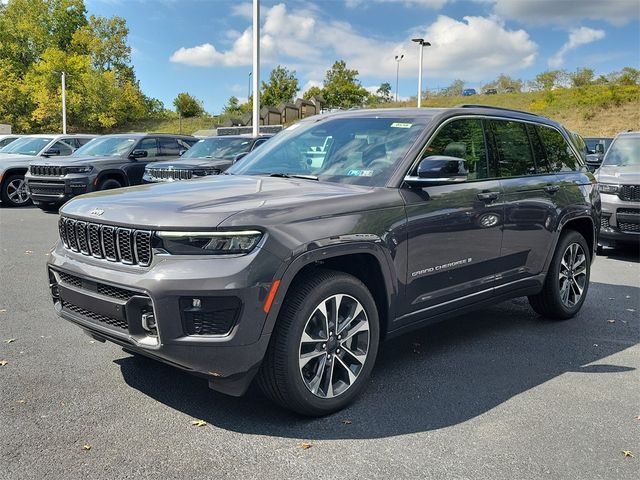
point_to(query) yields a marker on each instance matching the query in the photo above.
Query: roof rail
(472, 105)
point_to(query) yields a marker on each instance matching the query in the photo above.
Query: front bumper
(54, 190)
(89, 293)
(620, 221)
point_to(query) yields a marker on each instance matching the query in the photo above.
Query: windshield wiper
(293, 175)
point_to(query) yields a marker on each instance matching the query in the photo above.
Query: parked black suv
(210, 156)
(107, 162)
(343, 230)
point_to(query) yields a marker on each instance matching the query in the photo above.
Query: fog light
(149, 322)
(55, 293)
(196, 303)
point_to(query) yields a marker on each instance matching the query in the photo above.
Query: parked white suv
(16, 157)
(619, 185)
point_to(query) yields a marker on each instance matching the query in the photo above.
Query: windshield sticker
(401, 125)
(360, 173)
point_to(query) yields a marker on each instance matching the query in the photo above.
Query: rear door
(454, 231)
(533, 193)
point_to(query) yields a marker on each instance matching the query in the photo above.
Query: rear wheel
(14, 191)
(109, 184)
(567, 282)
(324, 345)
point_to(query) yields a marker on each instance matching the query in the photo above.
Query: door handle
(551, 188)
(488, 196)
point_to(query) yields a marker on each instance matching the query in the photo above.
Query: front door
(454, 232)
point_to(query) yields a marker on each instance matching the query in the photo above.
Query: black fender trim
(291, 269)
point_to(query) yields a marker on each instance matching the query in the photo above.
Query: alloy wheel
(17, 191)
(334, 346)
(573, 274)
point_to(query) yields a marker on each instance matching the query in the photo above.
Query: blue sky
(204, 46)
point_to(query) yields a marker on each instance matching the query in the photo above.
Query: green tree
(105, 40)
(187, 105)
(342, 89)
(232, 106)
(628, 76)
(548, 80)
(581, 77)
(384, 93)
(282, 87)
(453, 90)
(314, 91)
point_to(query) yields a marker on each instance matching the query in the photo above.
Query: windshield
(358, 150)
(27, 145)
(218, 147)
(623, 151)
(106, 147)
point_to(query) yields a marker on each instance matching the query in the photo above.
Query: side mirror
(138, 154)
(181, 152)
(51, 152)
(239, 156)
(439, 170)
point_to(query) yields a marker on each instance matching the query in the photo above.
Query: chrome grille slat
(116, 244)
(170, 173)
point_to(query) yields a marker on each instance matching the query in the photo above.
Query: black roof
(141, 135)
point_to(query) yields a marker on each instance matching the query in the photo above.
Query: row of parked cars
(48, 170)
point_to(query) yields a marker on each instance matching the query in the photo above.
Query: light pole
(64, 103)
(249, 90)
(256, 67)
(422, 44)
(398, 59)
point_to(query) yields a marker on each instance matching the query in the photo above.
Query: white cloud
(567, 12)
(473, 48)
(577, 37)
(435, 4)
(308, 85)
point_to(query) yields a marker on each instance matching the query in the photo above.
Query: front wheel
(14, 191)
(324, 345)
(567, 282)
(109, 184)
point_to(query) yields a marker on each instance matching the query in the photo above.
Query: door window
(149, 145)
(559, 153)
(540, 155)
(65, 147)
(513, 150)
(169, 147)
(462, 138)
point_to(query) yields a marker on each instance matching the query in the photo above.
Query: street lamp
(64, 101)
(398, 59)
(422, 43)
(256, 67)
(249, 89)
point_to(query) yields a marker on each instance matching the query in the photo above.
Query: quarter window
(559, 154)
(464, 139)
(513, 149)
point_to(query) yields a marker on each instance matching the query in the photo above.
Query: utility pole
(256, 67)
(422, 44)
(398, 59)
(64, 104)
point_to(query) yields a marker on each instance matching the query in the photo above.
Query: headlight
(203, 172)
(78, 169)
(210, 243)
(609, 188)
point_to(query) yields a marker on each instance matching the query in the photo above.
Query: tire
(292, 381)
(13, 193)
(554, 301)
(109, 184)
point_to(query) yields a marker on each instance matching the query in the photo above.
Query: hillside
(595, 110)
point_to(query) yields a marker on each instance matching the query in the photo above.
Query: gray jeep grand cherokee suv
(343, 230)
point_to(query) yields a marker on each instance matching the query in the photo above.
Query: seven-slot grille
(170, 174)
(48, 170)
(630, 193)
(115, 244)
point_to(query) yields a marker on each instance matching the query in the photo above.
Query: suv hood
(207, 202)
(189, 163)
(73, 160)
(627, 175)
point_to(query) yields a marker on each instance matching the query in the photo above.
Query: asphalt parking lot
(500, 394)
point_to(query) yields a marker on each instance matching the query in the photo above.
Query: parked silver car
(619, 185)
(16, 157)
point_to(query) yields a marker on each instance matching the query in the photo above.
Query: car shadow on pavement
(433, 378)
(629, 253)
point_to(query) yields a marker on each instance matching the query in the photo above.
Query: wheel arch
(114, 174)
(365, 261)
(12, 171)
